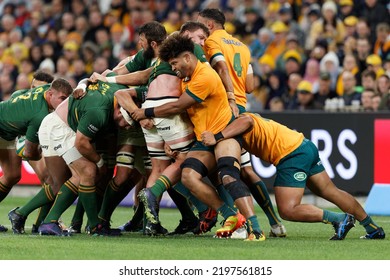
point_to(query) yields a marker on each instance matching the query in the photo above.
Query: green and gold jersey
(23, 113)
(93, 113)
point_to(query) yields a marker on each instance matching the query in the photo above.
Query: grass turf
(304, 242)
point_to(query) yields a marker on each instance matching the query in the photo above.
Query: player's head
(179, 52)
(59, 90)
(197, 31)
(151, 35)
(212, 18)
(41, 78)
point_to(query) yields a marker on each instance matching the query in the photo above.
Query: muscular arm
(130, 79)
(172, 108)
(125, 99)
(84, 146)
(239, 126)
(223, 72)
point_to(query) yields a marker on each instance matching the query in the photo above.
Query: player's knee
(195, 165)
(237, 189)
(228, 166)
(125, 159)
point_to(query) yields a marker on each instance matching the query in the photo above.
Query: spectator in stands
(305, 97)
(350, 92)
(346, 9)
(289, 97)
(382, 43)
(350, 25)
(330, 63)
(259, 45)
(328, 27)
(374, 12)
(363, 49)
(349, 64)
(278, 44)
(376, 101)
(286, 16)
(366, 99)
(253, 23)
(374, 62)
(383, 85)
(368, 79)
(312, 73)
(292, 43)
(276, 104)
(324, 89)
(292, 62)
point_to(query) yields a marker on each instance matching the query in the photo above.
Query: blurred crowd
(306, 54)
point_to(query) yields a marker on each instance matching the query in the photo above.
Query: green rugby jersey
(93, 113)
(23, 113)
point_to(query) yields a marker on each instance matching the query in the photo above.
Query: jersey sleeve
(198, 89)
(212, 50)
(137, 63)
(199, 53)
(33, 127)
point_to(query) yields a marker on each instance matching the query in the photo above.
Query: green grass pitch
(304, 242)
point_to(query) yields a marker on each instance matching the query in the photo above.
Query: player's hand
(97, 77)
(208, 138)
(234, 108)
(169, 152)
(146, 123)
(138, 114)
(79, 93)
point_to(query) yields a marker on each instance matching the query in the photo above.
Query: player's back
(237, 57)
(21, 110)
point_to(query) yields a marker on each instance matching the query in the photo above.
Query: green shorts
(294, 169)
(198, 146)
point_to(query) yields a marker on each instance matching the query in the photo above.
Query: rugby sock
(260, 194)
(65, 197)
(160, 186)
(225, 196)
(199, 205)
(369, 224)
(42, 213)
(43, 197)
(111, 192)
(253, 224)
(182, 204)
(124, 190)
(225, 211)
(330, 217)
(88, 197)
(4, 190)
(78, 215)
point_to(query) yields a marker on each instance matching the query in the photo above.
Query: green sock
(253, 224)
(260, 194)
(124, 190)
(369, 224)
(65, 197)
(226, 211)
(87, 195)
(43, 197)
(78, 214)
(112, 191)
(225, 196)
(4, 191)
(160, 186)
(330, 217)
(199, 205)
(182, 205)
(42, 213)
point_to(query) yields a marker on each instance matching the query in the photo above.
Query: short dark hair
(193, 26)
(369, 73)
(153, 31)
(43, 76)
(214, 14)
(62, 85)
(174, 45)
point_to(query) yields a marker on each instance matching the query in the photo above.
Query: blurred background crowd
(306, 54)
